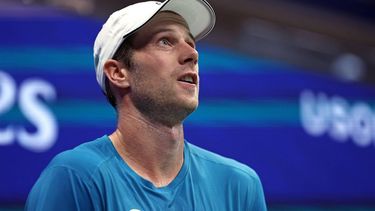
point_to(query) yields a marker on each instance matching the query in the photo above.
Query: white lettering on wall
(38, 114)
(7, 99)
(335, 116)
(31, 96)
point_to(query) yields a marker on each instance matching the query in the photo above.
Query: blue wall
(310, 137)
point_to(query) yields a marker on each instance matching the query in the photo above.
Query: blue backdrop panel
(311, 138)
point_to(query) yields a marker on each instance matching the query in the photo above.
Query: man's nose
(189, 54)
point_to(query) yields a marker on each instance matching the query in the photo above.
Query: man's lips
(189, 77)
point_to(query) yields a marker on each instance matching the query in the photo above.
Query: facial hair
(157, 103)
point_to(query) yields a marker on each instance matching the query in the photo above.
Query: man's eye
(164, 41)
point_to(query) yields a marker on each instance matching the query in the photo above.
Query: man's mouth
(190, 78)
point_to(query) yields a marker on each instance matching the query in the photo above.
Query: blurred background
(287, 87)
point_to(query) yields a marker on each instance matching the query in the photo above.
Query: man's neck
(154, 151)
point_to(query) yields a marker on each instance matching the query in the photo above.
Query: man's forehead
(166, 17)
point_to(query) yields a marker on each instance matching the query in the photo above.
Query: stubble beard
(158, 105)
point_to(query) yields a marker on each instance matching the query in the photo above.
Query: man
(147, 65)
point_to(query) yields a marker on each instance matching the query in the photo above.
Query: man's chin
(184, 110)
(191, 106)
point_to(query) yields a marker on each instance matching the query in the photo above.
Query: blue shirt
(93, 176)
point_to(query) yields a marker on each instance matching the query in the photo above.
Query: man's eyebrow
(171, 30)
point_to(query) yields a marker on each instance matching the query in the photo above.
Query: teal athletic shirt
(93, 176)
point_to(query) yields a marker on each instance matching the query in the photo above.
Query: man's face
(164, 82)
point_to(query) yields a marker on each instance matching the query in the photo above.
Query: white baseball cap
(198, 14)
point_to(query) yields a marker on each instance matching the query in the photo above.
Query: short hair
(123, 54)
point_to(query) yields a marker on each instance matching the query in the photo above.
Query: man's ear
(116, 73)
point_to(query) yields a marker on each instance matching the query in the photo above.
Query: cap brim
(198, 14)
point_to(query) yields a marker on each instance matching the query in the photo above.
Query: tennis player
(147, 65)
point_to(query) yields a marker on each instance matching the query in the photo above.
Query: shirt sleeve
(259, 202)
(60, 188)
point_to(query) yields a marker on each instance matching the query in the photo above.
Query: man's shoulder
(228, 176)
(218, 163)
(85, 158)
